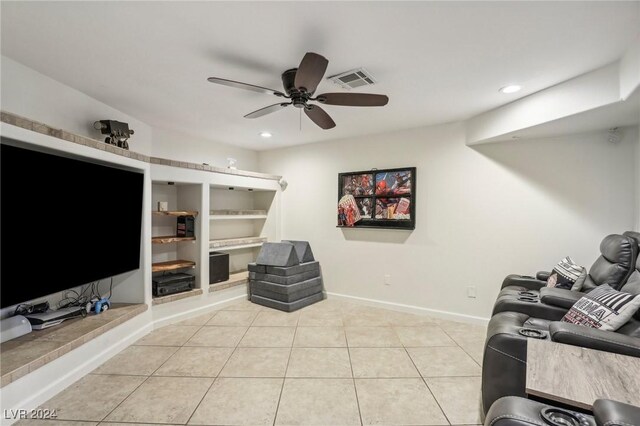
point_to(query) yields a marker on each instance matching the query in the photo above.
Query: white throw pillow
(603, 308)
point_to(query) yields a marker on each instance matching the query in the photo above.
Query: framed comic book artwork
(375, 198)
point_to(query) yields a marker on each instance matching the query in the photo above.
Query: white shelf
(237, 217)
(238, 247)
(239, 278)
(236, 243)
(237, 214)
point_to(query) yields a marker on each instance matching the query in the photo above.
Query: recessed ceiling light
(265, 134)
(512, 88)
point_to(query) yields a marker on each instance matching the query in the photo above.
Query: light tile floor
(332, 363)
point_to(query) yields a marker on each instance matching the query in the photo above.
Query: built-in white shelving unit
(242, 218)
(171, 253)
(161, 251)
(236, 214)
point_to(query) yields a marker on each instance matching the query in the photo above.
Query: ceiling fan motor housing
(298, 99)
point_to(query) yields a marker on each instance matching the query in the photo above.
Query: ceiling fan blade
(266, 110)
(353, 99)
(310, 72)
(239, 85)
(320, 117)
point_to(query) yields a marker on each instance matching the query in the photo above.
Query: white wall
(482, 212)
(176, 146)
(30, 94)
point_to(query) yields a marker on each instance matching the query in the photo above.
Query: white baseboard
(412, 309)
(194, 312)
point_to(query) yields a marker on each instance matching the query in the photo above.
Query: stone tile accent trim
(96, 325)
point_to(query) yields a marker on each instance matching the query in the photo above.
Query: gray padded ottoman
(254, 267)
(278, 254)
(282, 279)
(303, 249)
(293, 270)
(287, 306)
(287, 293)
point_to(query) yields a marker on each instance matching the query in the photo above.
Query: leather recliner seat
(505, 352)
(530, 296)
(514, 411)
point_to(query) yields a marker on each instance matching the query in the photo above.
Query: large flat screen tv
(79, 221)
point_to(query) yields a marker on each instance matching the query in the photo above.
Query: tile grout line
(215, 379)
(353, 377)
(460, 346)
(151, 375)
(145, 380)
(427, 385)
(275, 417)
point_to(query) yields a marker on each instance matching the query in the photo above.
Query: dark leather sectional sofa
(527, 309)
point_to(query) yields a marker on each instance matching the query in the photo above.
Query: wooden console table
(577, 376)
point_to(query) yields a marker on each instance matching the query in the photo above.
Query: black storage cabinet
(218, 267)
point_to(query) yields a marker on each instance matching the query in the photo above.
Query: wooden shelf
(236, 243)
(171, 265)
(176, 213)
(159, 300)
(239, 278)
(166, 239)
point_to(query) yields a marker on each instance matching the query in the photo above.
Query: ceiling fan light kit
(299, 86)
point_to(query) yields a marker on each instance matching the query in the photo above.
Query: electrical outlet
(471, 292)
(387, 279)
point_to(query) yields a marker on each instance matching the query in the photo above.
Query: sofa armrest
(543, 275)
(559, 297)
(592, 338)
(608, 412)
(530, 283)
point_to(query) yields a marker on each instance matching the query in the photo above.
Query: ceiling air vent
(352, 79)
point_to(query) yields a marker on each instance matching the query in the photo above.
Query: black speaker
(218, 267)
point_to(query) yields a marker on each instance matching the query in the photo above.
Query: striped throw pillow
(568, 275)
(603, 308)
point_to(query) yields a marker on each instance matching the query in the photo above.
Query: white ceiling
(438, 62)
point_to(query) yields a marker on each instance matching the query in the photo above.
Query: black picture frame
(369, 191)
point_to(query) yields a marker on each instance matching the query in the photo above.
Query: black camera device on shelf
(118, 132)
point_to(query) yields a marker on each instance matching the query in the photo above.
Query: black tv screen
(80, 221)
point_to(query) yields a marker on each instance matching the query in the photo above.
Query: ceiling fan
(299, 86)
